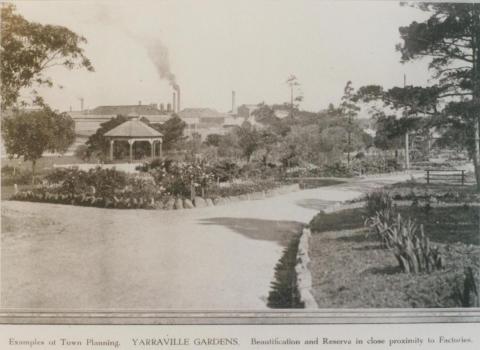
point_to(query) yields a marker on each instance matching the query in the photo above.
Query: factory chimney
(178, 99)
(169, 107)
(234, 107)
(174, 98)
(81, 103)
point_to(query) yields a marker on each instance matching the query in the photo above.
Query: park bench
(445, 175)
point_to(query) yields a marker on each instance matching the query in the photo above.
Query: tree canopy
(29, 134)
(29, 49)
(450, 38)
(172, 131)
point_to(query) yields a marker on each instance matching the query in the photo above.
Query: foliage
(450, 38)
(213, 140)
(225, 170)
(375, 165)
(30, 134)
(237, 189)
(378, 201)
(467, 295)
(29, 49)
(349, 110)
(249, 140)
(81, 152)
(411, 247)
(337, 170)
(99, 181)
(172, 131)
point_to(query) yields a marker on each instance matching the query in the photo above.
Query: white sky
(217, 46)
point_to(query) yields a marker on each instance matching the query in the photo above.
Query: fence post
(428, 177)
(463, 177)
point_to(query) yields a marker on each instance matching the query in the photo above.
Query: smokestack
(233, 102)
(174, 102)
(178, 99)
(81, 103)
(162, 108)
(169, 107)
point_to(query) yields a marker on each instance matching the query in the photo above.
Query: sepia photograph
(239, 162)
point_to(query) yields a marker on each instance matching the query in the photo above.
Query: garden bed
(180, 189)
(351, 269)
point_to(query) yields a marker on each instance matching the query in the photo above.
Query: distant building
(88, 121)
(206, 121)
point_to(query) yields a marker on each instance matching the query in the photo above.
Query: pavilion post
(130, 143)
(111, 149)
(160, 149)
(152, 148)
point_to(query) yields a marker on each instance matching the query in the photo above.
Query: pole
(407, 155)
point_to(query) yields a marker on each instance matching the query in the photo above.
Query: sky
(216, 46)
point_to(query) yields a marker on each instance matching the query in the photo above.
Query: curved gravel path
(66, 257)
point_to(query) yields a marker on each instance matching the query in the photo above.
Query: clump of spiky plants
(407, 240)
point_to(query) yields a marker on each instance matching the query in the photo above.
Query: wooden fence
(449, 176)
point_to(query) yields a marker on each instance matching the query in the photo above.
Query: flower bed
(170, 186)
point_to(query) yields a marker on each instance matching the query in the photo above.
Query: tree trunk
(476, 155)
(476, 92)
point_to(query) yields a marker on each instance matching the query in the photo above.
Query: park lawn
(46, 162)
(351, 270)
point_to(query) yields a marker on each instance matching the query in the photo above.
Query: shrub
(378, 201)
(225, 170)
(68, 181)
(337, 170)
(467, 294)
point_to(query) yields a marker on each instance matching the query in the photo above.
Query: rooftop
(133, 128)
(201, 113)
(127, 110)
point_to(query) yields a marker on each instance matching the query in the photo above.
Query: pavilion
(134, 130)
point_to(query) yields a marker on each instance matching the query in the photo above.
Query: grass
(350, 269)
(45, 162)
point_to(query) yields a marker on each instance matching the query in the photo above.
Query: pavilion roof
(133, 128)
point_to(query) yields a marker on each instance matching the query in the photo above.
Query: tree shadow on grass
(265, 230)
(385, 270)
(447, 224)
(359, 238)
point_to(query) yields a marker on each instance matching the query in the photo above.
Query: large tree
(450, 38)
(349, 110)
(30, 134)
(29, 49)
(172, 131)
(249, 139)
